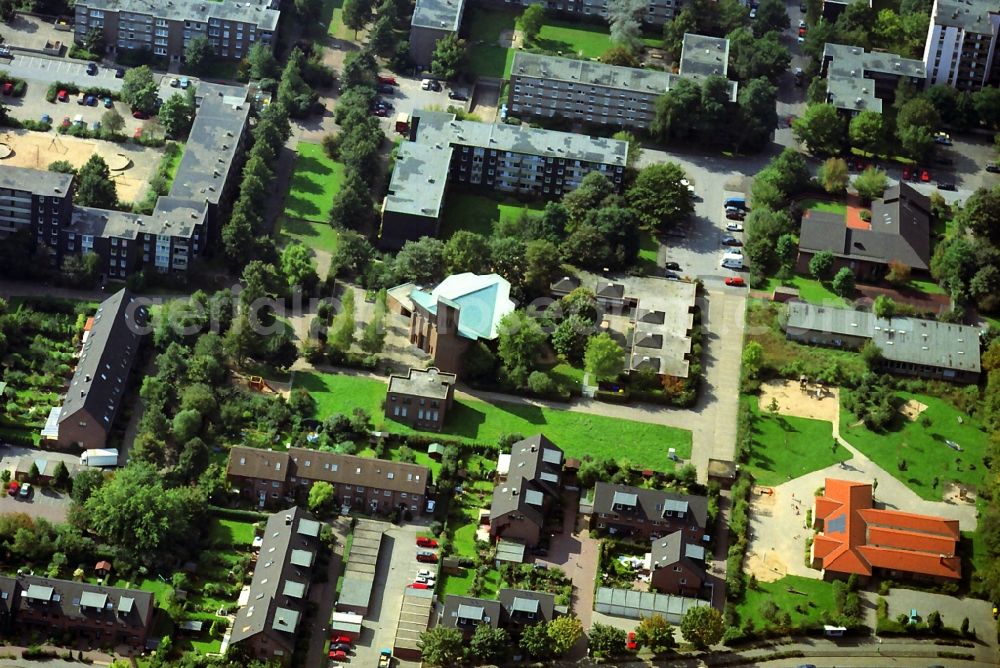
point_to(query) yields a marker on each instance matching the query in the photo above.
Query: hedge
(73, 89)
(20, 85)
(237, 514)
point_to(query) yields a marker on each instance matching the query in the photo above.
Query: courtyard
(315, 181)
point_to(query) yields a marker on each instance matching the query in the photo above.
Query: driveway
(44, 503)
(575, 552)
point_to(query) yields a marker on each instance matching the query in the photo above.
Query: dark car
(119, 72)
(461, 97)
(539, 552)
(435, 85)
(91, 69)
(731, 241)
(993, 169)
(672, 265)
(386, 89)
(140, 114)
(340, 647)
(427, 557)
(735, 215)
(946, 185)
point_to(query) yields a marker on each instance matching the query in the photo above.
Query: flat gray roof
(970, 15)
(441, 129)
(263, 13)
(419, 179)
(432, 384)
(37, 181)
(172, 216)
(703, 56)
(848, 87)
(587, 72)
(929, 343)
(663, 323)
(438, 14)
(846, 322)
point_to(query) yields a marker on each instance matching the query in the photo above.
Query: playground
(132, 166)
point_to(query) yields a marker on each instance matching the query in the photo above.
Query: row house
(641, 514)
(513, 610)
(529, 481)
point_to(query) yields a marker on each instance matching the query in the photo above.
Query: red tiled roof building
(857, 538)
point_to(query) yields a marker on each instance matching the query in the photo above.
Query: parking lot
(408, 96)
(44, 503)
(46, 70)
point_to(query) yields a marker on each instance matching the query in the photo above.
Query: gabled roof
(535, 471)
(648, 504)
(129, 609)
(527, 606)
(482, 300)
(672, 549)
(857, 537)
(474, 610)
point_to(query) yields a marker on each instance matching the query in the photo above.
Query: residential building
(641, 514)
(564, 286)
(45, 465)
(421, 398)
(276, 603)
(462, 309)
(523, 497)
(899, 231)
(858, 539)
(595, 94)
(166, 28)
(676, 565)
(961, 47)
(908, 346)
(512, 159)
(98, 385)
(371, 485)
(37, 202)
(857, 81)
(466, 613)
(663, 325)
(100, 616)
(433, 20)
(513, 610)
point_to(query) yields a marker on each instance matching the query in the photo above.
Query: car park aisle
(44, 69)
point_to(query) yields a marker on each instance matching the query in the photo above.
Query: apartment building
(529, 481)
(370, 485)
(961, 48)
(433, 20)
(35, 201)
(412, 205)
(641, 514)
(165, 27)
(593, 93)
(277, 601)
(421, 398)
(857, 80)
(100, 616)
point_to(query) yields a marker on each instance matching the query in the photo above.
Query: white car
(802, 23)
(174, 82)
(425, 580)
(424, 574)
(735, 227)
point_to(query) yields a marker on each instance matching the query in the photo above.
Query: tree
(382, 37)
(843, 282)
(758, 113)
(177, 115)
(112, 121)
(563, 633)
(352, 205)
(489, 645)
(341, 335)
(60, 477)
(541, 265)
(420, 261)
(604, 358)
(634, 147)
(623, 17)
(753, 358)
(356, 14)
(752, 57)
(373, 334)
(821, 128)
(535, 640)
(606, 640)
(186, 425)
(620, 56)
(297, 266)
(33, 472)
(659, 198)
(771, 17)
(702, 626)
(981, 214)
(466, 251)
(916, 123)
(83, 269)
(820, 265)
(94, 185)
(834, 176)
(866, 131)
(449, 53)
(717, 116)
(198, 54)
(871, 183)
(677, 111)
(987, 105)
(570, 337)
(8, 10)
(899, 273)
(655, 633)
(785, 250)
(262, 62)
(531, 22)
(589, 195)
(138, 89)
(321, 497)
(62, 167)
(521, 339)
(884, 307)
(442, 646)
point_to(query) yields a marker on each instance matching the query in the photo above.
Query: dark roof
(535, 472)
(672, 549)
(257, 463)
(476, 610)
(276, 602)
(900, 231)
(105, 361)
(129, 609)
(649, 503)
(521, 604)
(610, 290)
(36, 181)
(565, 284)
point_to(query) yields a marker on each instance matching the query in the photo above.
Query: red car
(419, 585)
(631, 643)
(387, 80)
(62, 96)
(427, 557)
(906, 173)
(138, 134)
(8, 88)
(426, 542)
(802, 32)
(340, 640)
(925, 176)
(735, 281)
(338, 655)
(140, 114)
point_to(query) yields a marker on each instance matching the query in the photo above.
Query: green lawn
(315, 181)
(786, 447)
(928, 287)
(479, 214)
(649, 250)
(174, 163)
(810, 290)
(420, 457)
(331, 20)
(230, 533)
(486, 57)
(318, 236)
(807, 603)
(928, 458)
(476, 421)
(583, 40)
(823, 205)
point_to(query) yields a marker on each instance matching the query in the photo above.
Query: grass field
(649, 250)
(332, 19)
(479, 214)
(230, 533)
(318, 236)
(315, 181)
(584, 40)
(928, 287)
(486, 57)
(476, 421)
(823, 205)
(928, 458)
(175, 162)
(786, 447)
(810, 290)
(807, 602)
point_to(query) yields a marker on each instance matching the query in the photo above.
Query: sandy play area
(39, 149)
(912, 409)
(802, 400)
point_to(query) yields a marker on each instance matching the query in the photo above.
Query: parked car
(735, 281)
(993, 168)
(62, 96)
(91, 101)
(81, 98)
(119, 72)
(8, 88)
(425, 84)
(426, 580)
(906, 173)
(925, 175)
(942, 138)
(46, 119)
(137, 134)
(338, 655)
(946, 185)
(140, 114)
(427, 557)
(185, 82)
(108, 103)
(419, 585)
(25, 491)
(630, 643)
(461, 97)
(387, 80)
(802, 32)
(539, 567)
(174, 82)
(381, 112)
(423, 541)
(91, 69)
(386, 89)
(430, 84)
(425, 574)
(340, 647)
(735, 227)
(672, 265)
(802, 23)
(735, 214)
(96, 126)
(66, 122)
(731, 241)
